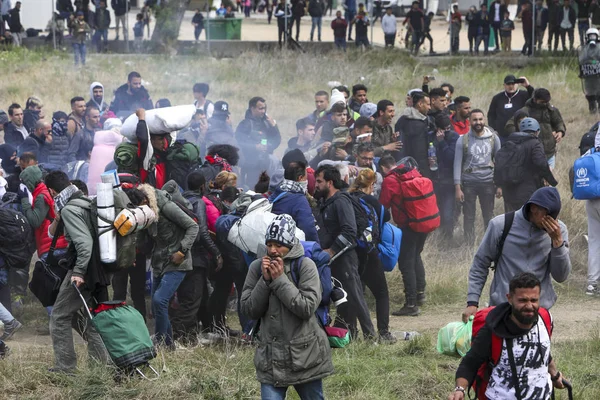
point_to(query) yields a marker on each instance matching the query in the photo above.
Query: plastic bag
(455, 338)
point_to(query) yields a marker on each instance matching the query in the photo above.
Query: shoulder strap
(513, 368)
(381, 220)
(295, 269)
(545, 315)
(465, 140)
(278, 197)
(50, 257)
(508, 221)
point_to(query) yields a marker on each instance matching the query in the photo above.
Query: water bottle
(433, 164)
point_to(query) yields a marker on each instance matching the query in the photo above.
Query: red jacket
(462, 128)
(42, 240)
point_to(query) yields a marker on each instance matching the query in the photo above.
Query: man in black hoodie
(131, 96)
(337, 235)
(524, 329)
(258, 136)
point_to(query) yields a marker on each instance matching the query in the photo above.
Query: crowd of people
(348, 163)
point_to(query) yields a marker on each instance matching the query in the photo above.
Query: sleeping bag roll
(160, 120)
(135, 219)
(107, 235)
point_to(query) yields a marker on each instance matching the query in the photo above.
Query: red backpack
(484, 372)
(418, 201)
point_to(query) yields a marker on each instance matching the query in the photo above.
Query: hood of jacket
(6, 153)
(100, 105)
(31, 177)
(532, 104)
(413, 113)
(296, 251)
(107, 138)
(520, 137)
(151, 194)
(546, 197)
(501, 324)
(174, 191)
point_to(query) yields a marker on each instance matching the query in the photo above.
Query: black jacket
(14, 21)
(12, 135)
(561, 14)
(252, 130)
(126, 103)
(35, 145)
(537, 169)
(101, 19)
(65, 6)
(204, 244)
(499, 114)
(81, 145)
(482, 22)
(492, 12)
(120, 7)
(415, 136)
(315, 8)
(336, 217)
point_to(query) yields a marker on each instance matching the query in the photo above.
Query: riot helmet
(592, 35)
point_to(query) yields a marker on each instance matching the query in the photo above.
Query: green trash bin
(224, 29)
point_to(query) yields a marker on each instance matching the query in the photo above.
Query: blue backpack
(389, 244)
(313, 251)
(586, 169)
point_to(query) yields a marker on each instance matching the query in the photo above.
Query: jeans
(163, 288)
(410, 264)
(345, 270)
(446, 200)
(416, 40)
(592, 208)
(349, 17)
(372, 275)
(79, 52)
(5, 304)
(390, 38)
(120, 20)
(583, 27)
(137, 276)
(101, 34)
(552, 161)
(5, 315)
(563, 34)
(486, 41)
(307, 391)
(486, 192)
(65, 311)
(197, 32)
(316, 23)
(340, 43)
(193, 297)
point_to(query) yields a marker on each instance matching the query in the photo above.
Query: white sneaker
(592, 290)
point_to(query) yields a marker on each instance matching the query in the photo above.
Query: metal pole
(371, 21)
(208, 26)
(450, 28)
(126, 34)
(533, 30)
(54, 26)
(285, 20)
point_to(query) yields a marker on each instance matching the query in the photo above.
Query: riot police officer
(589, 68)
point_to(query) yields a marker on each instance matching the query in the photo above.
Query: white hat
(336, 97)
(412, 91)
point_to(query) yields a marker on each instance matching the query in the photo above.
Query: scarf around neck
(61, 200)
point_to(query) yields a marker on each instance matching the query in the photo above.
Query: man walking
(79, 232)
(522, 326)
(474, 173)
(293, 349)
(337, 235)
(536, 242)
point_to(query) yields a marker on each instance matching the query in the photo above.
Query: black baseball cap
(221, 108)
(508, 79)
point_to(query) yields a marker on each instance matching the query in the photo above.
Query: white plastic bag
(250, 230)
(160, 120)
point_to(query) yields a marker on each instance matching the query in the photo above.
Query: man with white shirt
(389, 26)
(201, 102)
(14, 132)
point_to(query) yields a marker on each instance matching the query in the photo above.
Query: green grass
(288, 82)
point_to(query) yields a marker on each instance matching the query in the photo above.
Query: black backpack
(17, 243)
(363, 220)
(511, 162)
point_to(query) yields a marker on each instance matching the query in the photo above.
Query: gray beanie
(282, 230)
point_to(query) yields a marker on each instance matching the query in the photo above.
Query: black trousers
(137, 276)
(222, 282)
(410, 264)
(486, 192)
(192, 294)
(372, 275)
(345, 270)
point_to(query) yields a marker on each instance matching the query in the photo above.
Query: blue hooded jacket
(295, 204)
